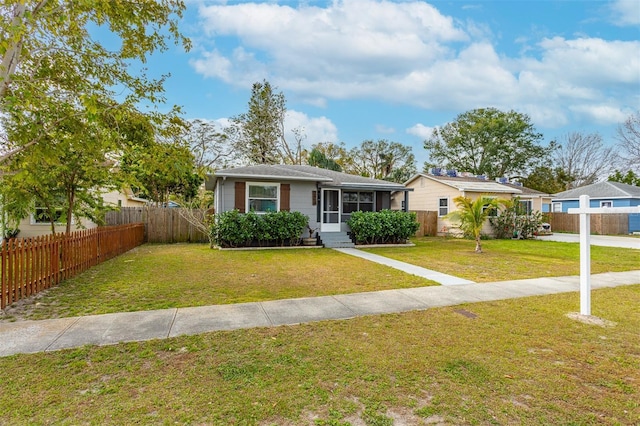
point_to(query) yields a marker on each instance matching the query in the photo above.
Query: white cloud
(240, 68)
(340, 50)
(315, 129)
(421, 131)
(601, 114)
(625, 12)
(409, 53)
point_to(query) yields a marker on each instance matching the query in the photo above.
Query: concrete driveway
(596, 240)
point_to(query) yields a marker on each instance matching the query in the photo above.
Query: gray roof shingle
(601, 190)
(307, 173)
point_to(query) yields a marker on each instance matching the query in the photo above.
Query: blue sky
(353, 70)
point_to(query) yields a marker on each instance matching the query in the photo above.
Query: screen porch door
(330, 210)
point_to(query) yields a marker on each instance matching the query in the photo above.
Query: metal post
(585, 256)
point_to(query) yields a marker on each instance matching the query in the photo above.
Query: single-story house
(435, 191)
(327, 197)
(36, 224)
(602, 194)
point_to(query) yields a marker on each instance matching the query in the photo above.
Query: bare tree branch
(584, 158)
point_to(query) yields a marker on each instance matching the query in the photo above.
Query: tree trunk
(478, 246)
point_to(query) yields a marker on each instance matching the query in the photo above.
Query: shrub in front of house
(383, 227)
(235, 229)
(514, 222)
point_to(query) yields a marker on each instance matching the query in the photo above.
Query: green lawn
(519, 362)
(509, 259)
(157, 276)
(181, 275)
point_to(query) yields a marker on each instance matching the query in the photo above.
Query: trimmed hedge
(235, 229)
(383, 227)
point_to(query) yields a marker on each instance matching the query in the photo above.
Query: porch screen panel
(331, 205)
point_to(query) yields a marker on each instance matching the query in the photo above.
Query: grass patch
(509, 259)
(181, 275)
(518, 362)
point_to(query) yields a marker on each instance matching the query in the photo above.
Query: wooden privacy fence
(30, 265)
(162, 225)
(428, 221)
(601, 224)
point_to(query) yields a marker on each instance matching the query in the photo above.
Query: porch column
(406, 201)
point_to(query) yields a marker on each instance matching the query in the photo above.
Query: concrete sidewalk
(436, 276)
(56, 334)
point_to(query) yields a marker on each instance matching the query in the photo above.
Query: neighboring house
(37, 224)
(602, 194)
(436, 191)
(327, 197)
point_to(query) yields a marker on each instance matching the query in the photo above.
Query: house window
(494, 210)
(42, 216)
(443, 206)
(353, 201)
(557, 207)
(606, 204)
(263, 197)
(526, 206)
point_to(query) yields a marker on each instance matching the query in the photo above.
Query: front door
(330, 210)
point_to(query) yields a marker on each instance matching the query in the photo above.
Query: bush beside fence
(30, 265)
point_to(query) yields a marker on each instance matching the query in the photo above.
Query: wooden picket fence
(30, 265)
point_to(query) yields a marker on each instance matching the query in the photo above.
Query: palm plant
(472, 214)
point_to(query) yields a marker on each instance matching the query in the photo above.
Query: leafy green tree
(548, 180)
(160, 170)
(51, 59)
(13, 207)
(488, 141)
(382, 159)
(64, 176)
(259, 134)
(334, 153)
(472, 214)
(630, 178)
(318, 159)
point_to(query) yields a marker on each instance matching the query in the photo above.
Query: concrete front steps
(336, 240)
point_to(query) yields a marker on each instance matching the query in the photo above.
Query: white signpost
(585, 245)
